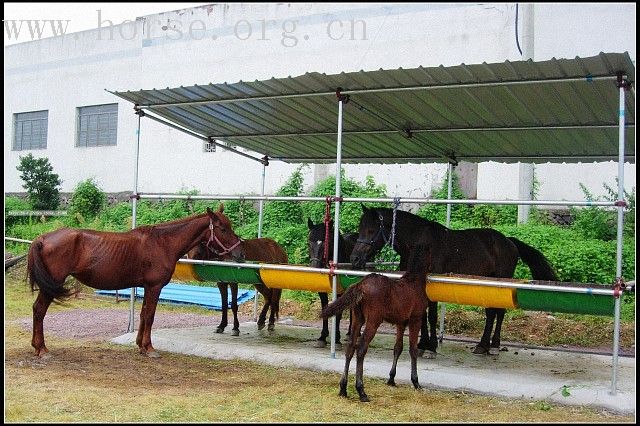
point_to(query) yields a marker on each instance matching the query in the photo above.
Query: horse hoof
(260, 326)
(153, 354)
(271, 327)
(429, 354)
(342, 394)
(364, 398)
(494, 351)
(235, 332)
(219, 330)
(391, 382)
(480, 350)
(338, 346)
(319, 344)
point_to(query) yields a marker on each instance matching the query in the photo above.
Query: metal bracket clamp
(340, 96)
(623, 82)
(138, 111)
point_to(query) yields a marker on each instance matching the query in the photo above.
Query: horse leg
(483, 347)
(322, 341)
(224, 296)
(272, 305)
(234, 308)
(151, 296)
(370, 328)
(40, 306)
(414, 328)
(266, 294)
(428, 337)
(397, 350)
(348, 354)
(141, 326)
(495, 340)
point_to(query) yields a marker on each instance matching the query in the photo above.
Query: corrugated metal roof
(556, 110)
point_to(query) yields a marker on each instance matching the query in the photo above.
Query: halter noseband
(377, 235)
(213, 238)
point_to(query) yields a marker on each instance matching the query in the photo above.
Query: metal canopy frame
(245, 108)
(560, 110)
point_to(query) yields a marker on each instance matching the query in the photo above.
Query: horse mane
(146, 229)
(413, 219)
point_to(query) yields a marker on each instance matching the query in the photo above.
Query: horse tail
(39, 276)
(349, 298)
(540, 267)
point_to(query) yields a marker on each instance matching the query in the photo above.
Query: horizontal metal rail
(432, 278)
(374, 200)
(18, 240)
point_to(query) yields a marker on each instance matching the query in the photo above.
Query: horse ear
(209, 212)
(221, 208)
(309, 223)
(364, 208)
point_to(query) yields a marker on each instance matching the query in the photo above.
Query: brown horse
(376, 299)
(145, 257)
(258, 249)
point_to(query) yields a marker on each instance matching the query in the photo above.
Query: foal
(376, 299)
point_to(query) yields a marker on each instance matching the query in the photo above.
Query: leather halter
(377, 235)
(212, 238)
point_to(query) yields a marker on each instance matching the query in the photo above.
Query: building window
(30, 130)
(97, 125)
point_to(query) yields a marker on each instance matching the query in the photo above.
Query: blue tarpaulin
(207, 297)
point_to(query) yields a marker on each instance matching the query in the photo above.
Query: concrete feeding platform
(560, 377)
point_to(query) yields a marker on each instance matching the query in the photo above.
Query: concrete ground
(529, 374)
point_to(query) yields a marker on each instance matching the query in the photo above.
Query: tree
(40, 182)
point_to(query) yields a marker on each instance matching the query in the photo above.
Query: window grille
(97, 125)
(30, 130)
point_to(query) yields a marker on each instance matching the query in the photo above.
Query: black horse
(317, 235)
(479, 251)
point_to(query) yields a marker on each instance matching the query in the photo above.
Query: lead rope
(327, 219)
(396, 203)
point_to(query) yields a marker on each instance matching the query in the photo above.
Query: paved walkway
(530, 374)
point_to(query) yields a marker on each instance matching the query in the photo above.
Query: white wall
(62, 73)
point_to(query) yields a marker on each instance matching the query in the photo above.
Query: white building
(55, 87)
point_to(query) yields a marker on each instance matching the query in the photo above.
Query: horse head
(222, 240)
(372, 236)
(316, 239)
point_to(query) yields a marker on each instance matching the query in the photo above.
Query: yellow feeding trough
(184, 272)
(470, 294)
(295, 280)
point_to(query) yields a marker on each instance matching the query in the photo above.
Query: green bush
(86, 201)
(15, 203)
(40, 182)
(349, 212)
(280, 214)
(600, 222)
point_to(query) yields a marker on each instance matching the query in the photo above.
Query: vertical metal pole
(133, 221)
(336, 226)
(616, 320)
(260, 210)
(443, 306)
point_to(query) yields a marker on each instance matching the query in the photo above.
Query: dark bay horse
(479, 251)
(145, 257)
(316, 239)
(376, 299)
(259, 249)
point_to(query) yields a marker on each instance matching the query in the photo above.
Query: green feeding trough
(566, 302)
(348, 280)
(225, 273)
